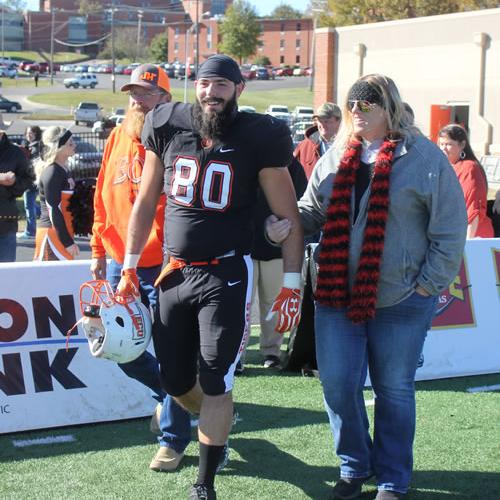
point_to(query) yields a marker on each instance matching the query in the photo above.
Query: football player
(210, 158)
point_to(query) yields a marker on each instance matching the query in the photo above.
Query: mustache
(218, 100)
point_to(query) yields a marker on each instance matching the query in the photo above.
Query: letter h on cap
(148, 76)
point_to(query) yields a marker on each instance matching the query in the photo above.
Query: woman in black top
(54, 235)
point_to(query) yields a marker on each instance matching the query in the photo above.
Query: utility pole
(3, 32)
(113, 46)
(197, 57)
(52, 19)
(139, 28)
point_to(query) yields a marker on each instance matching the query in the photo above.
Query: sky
(263, 7)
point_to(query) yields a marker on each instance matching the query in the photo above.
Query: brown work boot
(166, 460)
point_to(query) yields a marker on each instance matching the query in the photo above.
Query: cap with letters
(148, 76)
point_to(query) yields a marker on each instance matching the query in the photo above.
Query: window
(176, 46)
(177, 31)
(282, 27)
(282, 44)
(297, 59)
(282, 59)
(298, 26)
(297, 43)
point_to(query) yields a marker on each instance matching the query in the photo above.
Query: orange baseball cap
(148, 76)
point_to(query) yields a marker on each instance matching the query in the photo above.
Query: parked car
(8, 72)
(299, 71)
(284, 71)
(279, 111)
(262, 73)
(302, 113)
(86, 161)
(87, 112)
(8, 105)
(84, 80)
(247, 109)
(248, 73)
(128, 70)
(109, 122)
(82, 68)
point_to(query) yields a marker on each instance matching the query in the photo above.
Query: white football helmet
(115, 329)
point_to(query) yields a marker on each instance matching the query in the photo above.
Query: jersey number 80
(215, 186)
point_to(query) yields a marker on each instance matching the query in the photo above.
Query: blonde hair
(50, 148)
(400, 123)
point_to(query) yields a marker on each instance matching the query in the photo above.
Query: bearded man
(116, 191)
(210, 160)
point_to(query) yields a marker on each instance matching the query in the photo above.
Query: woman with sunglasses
(454, 143)
(54, 234)
(394, 224)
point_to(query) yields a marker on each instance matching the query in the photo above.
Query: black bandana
(220, 66)
(64, 139)
(363, 91)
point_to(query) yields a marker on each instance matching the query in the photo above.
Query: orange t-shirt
(116, 191)
(475, 189)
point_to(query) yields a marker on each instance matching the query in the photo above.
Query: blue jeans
(31, 210)
(8, 247)
(389, 346)
(175, 422)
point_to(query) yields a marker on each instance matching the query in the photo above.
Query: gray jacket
(426, 226)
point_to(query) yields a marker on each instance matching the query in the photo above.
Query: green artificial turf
(281, 449)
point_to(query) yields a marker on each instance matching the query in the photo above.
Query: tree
(240, 31)
(14, 5)
(285, 11)
(89, 7)
(125, 46)
(158, 48)
(262, 61)
(350, 12)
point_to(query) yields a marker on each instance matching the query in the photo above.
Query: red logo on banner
(454, 309)
(496, 262)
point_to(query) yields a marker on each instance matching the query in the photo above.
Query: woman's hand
(277, 230)
(73, 250)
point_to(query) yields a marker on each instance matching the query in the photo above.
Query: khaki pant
(267, 282)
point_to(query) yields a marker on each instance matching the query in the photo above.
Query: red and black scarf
(333, 287)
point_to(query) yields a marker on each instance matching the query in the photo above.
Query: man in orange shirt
(116, 190)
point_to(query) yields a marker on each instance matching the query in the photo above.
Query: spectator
(15, 177)
(54, 234)
(32, 145)
(394, 226)
(117, 186)
(268, 273)
(36, 76)
(454, 143)
(319, 137)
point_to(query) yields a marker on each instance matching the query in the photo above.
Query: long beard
(214, 125)
(134, 122)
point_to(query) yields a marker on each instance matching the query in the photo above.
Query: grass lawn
(281, 449)
(259, 99)
(31, 55)
(24, 81)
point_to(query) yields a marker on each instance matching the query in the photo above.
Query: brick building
(285, 42)
(149, 18)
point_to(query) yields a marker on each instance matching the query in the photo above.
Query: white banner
(43, 384)
(465, 338)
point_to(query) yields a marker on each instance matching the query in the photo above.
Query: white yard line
(484, 388)
(22, 443)
(369, 402)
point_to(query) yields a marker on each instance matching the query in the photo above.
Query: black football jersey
(211, 191)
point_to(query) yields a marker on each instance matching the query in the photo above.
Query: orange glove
(287, 306)
(128, 287)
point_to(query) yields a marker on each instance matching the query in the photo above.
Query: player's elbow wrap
(131, 260)
(291, 280)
